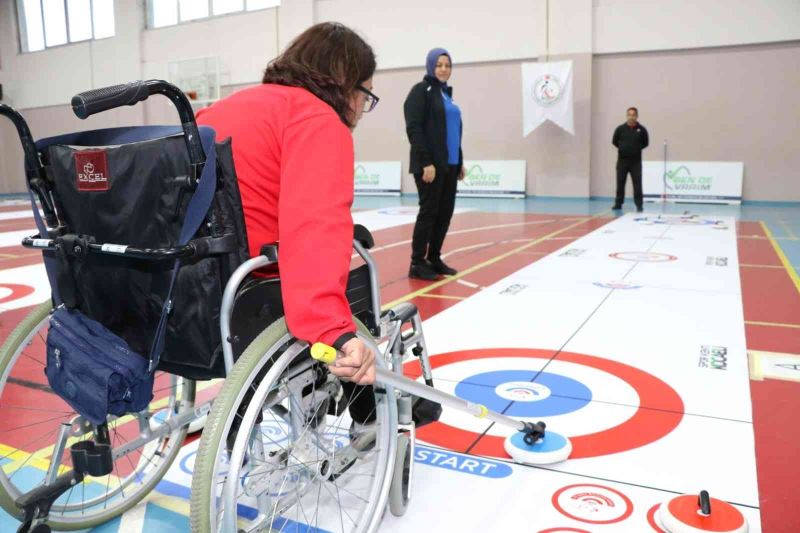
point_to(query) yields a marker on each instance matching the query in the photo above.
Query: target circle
(644, 427)
(643, 257)
(592, 504)
(515, 393)
(682, 514)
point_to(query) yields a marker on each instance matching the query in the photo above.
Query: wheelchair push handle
(94, 101)
(34, 171)
(88, 103)
(32, 165)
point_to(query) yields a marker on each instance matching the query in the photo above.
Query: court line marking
(782, 256)
(771, 324)
(468, 284)
(488, 262)
(760, 266)
(446, 297)
(463, 231)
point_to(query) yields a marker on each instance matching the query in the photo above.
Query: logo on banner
(573, 252)
(592, 504)
(476, 177)
(547, 94)
(547, 90)
(362, 178)
(92, 169)
(681, 179)
(717, 261)
(713, 357)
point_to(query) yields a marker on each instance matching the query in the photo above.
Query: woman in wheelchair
(293, 152)
(288, 443)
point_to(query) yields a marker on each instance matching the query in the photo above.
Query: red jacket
(294, 163)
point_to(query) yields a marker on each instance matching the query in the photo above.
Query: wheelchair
(280, 449)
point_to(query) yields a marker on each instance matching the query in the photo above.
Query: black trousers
(437, 200)
(634, 167)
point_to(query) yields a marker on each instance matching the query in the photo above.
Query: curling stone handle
(704, 502)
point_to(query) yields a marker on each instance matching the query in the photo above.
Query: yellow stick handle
(324, 353)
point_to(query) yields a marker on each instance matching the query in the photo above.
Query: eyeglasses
(371, 101)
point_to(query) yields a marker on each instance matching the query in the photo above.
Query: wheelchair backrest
(115, 192)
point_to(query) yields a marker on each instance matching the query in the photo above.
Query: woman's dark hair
(329, 60)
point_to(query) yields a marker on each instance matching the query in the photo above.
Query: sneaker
(640, 209)
(422, 271)
(617, 207)
(440, 267)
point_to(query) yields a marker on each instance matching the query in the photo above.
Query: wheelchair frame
(386, 327)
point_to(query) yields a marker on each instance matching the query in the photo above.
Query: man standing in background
(630, 139)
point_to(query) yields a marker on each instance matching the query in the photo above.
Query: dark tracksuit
(427, 132)
(630, 141)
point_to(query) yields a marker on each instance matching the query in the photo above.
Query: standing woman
(433, 125)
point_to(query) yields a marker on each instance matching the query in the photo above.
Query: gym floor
(738, 443)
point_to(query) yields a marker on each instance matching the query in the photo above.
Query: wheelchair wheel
(31, 416)
(295, 463)
(400, 491)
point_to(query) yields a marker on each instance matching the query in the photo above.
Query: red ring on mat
(663, 413)
(625, 499)
(651, 518)
(724, 518)
(17, 291)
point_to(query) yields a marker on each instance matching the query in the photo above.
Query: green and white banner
(377, 178)
(493, 179)
(693, 181)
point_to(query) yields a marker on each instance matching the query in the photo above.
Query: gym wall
(703, 73)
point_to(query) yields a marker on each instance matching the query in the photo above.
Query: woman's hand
(429, 174)
(461, 173)
(357, 363)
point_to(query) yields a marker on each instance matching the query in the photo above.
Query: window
(46, 23)
(162, 13)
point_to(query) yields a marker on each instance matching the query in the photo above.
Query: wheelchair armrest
(363, 236)
(270, 251)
